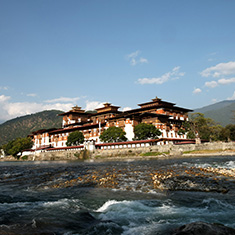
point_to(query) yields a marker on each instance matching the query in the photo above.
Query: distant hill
(222, 112)
(25, 125)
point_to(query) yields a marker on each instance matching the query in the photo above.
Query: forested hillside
(221, 112)
(25, 125)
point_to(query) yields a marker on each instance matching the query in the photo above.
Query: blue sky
(58, 53)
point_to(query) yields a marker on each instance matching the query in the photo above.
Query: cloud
(214, 100)
(197, 91)
(212, 56)
(32, 95)
(143, 60)
(92, 105)
(4, 98)
(224, 81)
(9, 110)
(232, 97)
(222, 69)
(126, 109)
(211, 84)
(63, 100)
(172, 75)
(18, 109)
(23, 108)
(134, 59)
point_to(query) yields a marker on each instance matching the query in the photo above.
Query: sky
(55, 54)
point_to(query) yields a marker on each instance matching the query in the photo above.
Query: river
(115, 197)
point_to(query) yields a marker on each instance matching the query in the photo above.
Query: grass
(204, 151)
(148, 154)
(25, 157)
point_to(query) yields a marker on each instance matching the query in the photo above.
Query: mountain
(25, 125)
(222, 112)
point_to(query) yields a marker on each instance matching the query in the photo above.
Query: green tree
(184, 128)
(216, 133)
(7, 147)
(225, 134)
(207, 128)
(113, 134)
(231, 130)
(17, 146)
(75, 138)
(201, 127)
(144, 131)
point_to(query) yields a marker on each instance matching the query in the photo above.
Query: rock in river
(199, 228)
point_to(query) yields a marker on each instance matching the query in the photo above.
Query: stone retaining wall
(170, 148)
(173, 150)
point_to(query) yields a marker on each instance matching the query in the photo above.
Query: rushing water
(115, 197)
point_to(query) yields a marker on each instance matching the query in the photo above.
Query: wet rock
(85, 220)
(199, 228)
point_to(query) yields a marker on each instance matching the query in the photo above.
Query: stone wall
(51, 156)
(170, 148)
(173, 150)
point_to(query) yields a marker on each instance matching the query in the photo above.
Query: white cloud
(134, 59)
(197, 90)
(212, 56)
(222, 69)
(23, 108)
(4, 98)
(223, 72)
(63, 100)
(232, 97)
(172, 75)
(211, 84)
(126, 109)
(32, 95)
(224, 81)
(214, 100)
(143, 60)
(92, 105)
(9, 110)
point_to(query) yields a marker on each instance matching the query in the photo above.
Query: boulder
(202, 228)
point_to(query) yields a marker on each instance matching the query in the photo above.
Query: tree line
(207, 129)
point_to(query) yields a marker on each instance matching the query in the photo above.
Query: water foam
(217, 204)
(230, 164)
(227, 164)
(106, 205)
(141, 217)
(64, 203)
(147, 217)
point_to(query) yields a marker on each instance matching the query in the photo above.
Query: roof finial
(156, 99)
(107, 104)
(76, 108)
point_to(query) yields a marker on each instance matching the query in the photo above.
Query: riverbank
(155, 151)
(202, 153)
(146, 156)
